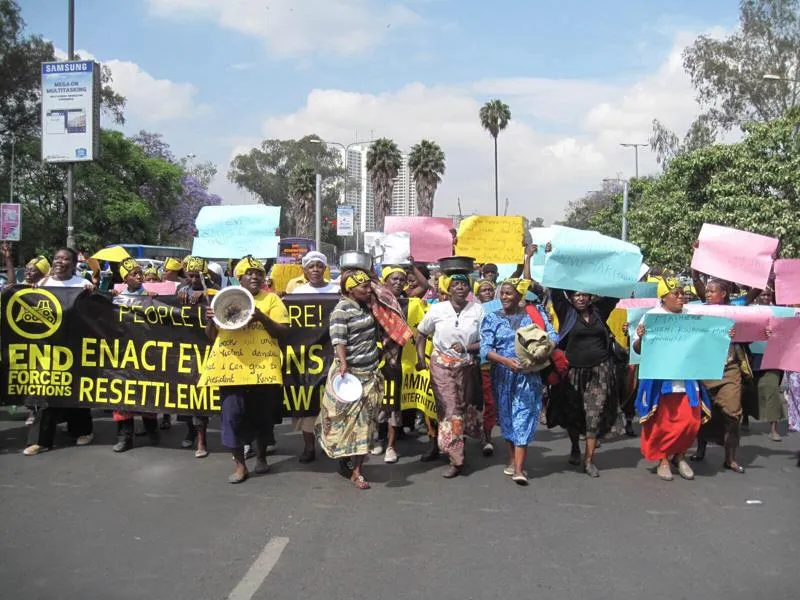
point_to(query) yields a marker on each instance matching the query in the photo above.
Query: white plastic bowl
(347, 389)
(233, 307)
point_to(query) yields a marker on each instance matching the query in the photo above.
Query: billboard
(70, 111)
(345, 220)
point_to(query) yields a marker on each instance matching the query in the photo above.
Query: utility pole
(70, 166)
(318, 214)
(636, 154)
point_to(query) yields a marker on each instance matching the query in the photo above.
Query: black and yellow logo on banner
(34, 313)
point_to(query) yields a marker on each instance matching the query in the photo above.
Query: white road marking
(258, 571)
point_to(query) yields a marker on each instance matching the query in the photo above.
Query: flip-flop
(360, 482)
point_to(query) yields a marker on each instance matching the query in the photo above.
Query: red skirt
(672, 429)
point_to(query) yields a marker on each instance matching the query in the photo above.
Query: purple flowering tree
(178, 224)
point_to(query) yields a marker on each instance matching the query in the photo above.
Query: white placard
(70, 111)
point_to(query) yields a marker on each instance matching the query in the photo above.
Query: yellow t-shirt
(269, 352)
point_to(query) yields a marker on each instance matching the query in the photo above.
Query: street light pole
(636, 154)
(11, 179)
(70, 166)
(625, 203)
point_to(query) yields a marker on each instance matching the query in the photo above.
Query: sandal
(201, 453)
(238, 478)
(360, 482)
(734, 466)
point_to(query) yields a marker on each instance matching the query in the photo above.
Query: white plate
(347, 389)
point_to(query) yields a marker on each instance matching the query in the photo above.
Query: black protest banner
(66, 347)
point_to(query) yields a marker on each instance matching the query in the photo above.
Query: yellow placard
(247, 356)
(491, 239)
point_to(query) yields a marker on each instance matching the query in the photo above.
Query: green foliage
(265, 171)
(751, 185)
(426, 161)
(383, 163)
(494, 116)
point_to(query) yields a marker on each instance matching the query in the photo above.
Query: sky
(216, 77)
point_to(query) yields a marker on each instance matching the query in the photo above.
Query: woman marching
(517, 391)
(248, 411)
(585, 400)
(345, 430)
(132, 276)
(726, 393)
(485, 290)
(670, 411)
(454, 326)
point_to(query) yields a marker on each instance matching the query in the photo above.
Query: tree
(751, 185)
(177, 218)
(383, 162)
(494, 116)
(426, 161)
(729, 75)
(303, 188)
(264, 172)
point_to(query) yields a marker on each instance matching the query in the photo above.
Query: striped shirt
(354, 327)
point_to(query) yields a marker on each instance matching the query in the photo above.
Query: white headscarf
(315, 256)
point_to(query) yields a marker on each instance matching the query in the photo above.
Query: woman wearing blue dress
(518, 394)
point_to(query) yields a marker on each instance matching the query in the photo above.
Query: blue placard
(589, 262)
(681, 346)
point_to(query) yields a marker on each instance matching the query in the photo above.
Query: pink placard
(782, 348)
(162, 288)
(787, 281)
(733, 255)
(751, 321)
(10, 222)
(638, 303)
(430, 236)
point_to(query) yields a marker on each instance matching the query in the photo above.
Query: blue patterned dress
(518, 396)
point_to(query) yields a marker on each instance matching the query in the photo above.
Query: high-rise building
(360, 194)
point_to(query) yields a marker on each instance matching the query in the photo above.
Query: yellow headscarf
(127, 266)
(665, 286)
(521, 285)
(444, 283)
(482, 282)
(41, 263)
(354, 279)
(387, 271)
(247, 263)
(173, 264)
(195, 264)
(151, 271)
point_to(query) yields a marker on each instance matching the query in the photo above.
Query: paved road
(157, 523)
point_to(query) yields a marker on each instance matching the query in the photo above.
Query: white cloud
(291, 28)
(148, 100)
(151, 100)
(540, 169)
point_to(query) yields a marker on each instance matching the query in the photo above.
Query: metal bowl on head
(355, 260)
(347, 388)
(233, 307)
(456, 264)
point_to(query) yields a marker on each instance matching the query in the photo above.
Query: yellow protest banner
(491, 239)
(247, 356)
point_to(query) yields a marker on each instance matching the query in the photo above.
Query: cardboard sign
(491, 239)
(734, 255)
(430, 236)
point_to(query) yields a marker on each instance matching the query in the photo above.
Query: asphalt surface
(158, 523)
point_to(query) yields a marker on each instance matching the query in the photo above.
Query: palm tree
(495, 116)
(302, 190)
(426, 161)
(383, 163)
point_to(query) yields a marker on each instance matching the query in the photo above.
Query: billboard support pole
(70, 166)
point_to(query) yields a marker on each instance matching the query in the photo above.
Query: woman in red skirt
(670, 411)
